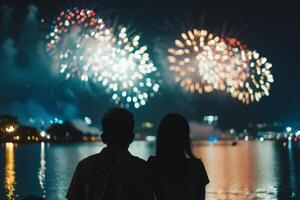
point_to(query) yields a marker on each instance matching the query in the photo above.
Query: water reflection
(292, 170)
(266, 170)
(250, 170)
(10, 174)
(42, 170)
(239, 172)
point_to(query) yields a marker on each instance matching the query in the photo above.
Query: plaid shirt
(111, 174)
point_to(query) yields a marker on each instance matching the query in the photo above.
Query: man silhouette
(113, 173)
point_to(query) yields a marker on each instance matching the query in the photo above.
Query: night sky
(29, 88)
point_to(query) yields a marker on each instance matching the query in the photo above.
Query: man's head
(117, 126)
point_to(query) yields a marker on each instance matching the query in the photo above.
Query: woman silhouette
(174, 171)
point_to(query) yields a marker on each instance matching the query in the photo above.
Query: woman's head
(173, 137)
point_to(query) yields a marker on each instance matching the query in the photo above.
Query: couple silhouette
(114, 174)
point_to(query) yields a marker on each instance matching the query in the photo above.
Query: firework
(75, 35)
(258, 79)
(238, 62)
(83, 46)
(127, 71)
(200, 62)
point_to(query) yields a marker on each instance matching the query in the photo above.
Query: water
(250, 170)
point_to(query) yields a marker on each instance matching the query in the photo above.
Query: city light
(56, 121)
(43, 134)
(147, 125)
(150, 138)
(10, 129)
(212, 139)
(288, 129)
(88, 120)
(210, 119)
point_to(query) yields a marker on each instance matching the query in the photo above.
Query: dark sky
(270, 27)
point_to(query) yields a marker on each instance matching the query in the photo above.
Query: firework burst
(202, 62)
(83, 46)
(127, 72)
(76, 34)
(257, 82)
(238, 63)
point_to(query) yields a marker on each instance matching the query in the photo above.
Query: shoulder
(84, 163)
(152, 161)
(197, 163)
(198, 169)
(136, 162)
(80, 176)
(90, 159)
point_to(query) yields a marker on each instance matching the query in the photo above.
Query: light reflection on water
(10, 179)
(42, 170)
(250, 170)
(240, 172)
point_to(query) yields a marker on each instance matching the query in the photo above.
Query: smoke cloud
(29, 87)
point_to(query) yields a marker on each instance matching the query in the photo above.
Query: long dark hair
(173, 140)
